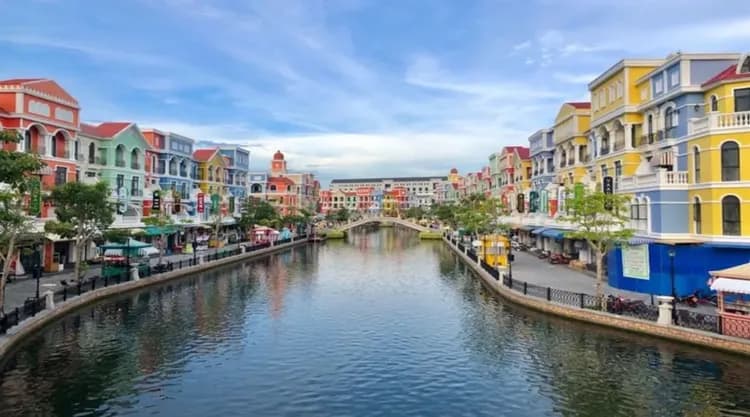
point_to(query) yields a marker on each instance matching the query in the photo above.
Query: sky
(349, 88)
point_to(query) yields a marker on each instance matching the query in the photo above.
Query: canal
(378, 325)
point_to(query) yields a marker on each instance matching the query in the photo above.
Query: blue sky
(349, 88)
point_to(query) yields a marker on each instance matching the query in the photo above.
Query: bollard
(49, 300)
(243, 249)
(134, 273)
(665, 310)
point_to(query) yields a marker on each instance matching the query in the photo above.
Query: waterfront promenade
(21, 288)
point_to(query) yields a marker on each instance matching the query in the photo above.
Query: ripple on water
(381, 327)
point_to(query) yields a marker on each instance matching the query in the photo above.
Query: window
(619, 89)
(674, 78)
(658, 84)
(61, 175)
(120, 182)
(697, 164)
(730, 161)
(604, 171)
(618, 168)
(730, 215)
(644, 93)
(92, 153)
(670, 118)
(697, 215)
(714, 103)
(134, 189)
(611, 93)
(742, 99)
(272, 187)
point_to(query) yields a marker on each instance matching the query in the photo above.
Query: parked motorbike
(559, 258)
(619, 305)
(543, 254)
(691, 300)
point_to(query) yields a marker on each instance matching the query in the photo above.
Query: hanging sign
(215, 198)
(156, 204)
(201, 203)
(520, 204)
(231, 204)
(35, 204)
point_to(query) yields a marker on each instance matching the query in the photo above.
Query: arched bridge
(384, 219)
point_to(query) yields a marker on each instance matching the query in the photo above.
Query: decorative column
(628, 136)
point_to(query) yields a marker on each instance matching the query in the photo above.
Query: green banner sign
(215, 199)
(35, 191)
(231, 204)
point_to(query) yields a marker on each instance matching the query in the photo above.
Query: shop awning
(640, 240)
(156, 230)
(556, 234)
(538, 231)
(736, 286)
(741, 272)
(528, 228)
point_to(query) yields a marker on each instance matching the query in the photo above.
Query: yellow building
(718, 151)
(211, 171)
(571, 142)
(616, 124)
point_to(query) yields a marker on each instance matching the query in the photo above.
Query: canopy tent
(740, 272)
(737, 286)
(129, 244)
(156, 230)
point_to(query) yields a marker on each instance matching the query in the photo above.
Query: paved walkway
(20, 289)
(533, 270)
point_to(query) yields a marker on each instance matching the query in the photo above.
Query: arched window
(697, 215)
(696, 164)
(730, 161)
(256, 188)
(670, 119)
(120, 156)
(92, 153)
(27, 140)
(730, 215)
(134, 159)
(173, 166)
(714, 103)
(272, 187)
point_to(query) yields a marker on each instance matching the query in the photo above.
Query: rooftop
(394, 179)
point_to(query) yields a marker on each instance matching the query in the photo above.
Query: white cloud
(584, 78)
(521, 46)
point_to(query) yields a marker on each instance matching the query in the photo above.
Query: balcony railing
(604, 150)
(669, 133)
(562, 164)
(136, 193)
(101, 160)
(135, 165)
(571, 161)
(120, 163)
(39, 149)
(654, 179)
(183, 173)
(660, 136)
(646, 139)
(80, 157)
(618, 146)
(719, 121)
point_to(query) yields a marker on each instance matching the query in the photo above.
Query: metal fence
(32, 306)
(644, 310)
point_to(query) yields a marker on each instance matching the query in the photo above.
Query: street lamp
(671, 279)
(36, 269)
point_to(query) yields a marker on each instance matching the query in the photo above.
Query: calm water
(381, 325)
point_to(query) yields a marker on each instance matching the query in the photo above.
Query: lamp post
(510, 256)
(671, 279)
(37, 270)
(195, 247)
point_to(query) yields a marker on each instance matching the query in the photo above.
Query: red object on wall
(552, 208)
(200, 203)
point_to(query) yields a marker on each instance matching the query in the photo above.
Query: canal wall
(680, 334)
(31, 326)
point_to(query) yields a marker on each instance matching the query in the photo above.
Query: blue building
(542, 152)
(238, 170)
(175, 169)
(664, 245)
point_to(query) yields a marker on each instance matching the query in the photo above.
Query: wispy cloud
(575, 78)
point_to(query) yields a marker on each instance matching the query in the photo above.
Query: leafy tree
(343, 214)
(600, 219)
(16, 173)
(415, 213)
(479, 214)
(164, 223)
(446, 213)
(256, 211)
(116, 235)
(83, 212)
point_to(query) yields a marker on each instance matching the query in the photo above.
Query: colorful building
(238, 170)
(172, 172)
(120, 155)
(211, 179)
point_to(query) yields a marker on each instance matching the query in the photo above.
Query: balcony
(120, 163)
(80, 157)
(562, 164)
(136, 193)
(571, 161)
(655, 179)
(604, 150)
(39, 149)
(619, 146)
(135, 165)
(101, 160)
(719, 122)
(183, 173)
(646, 139)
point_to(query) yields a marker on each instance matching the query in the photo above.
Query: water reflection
(379, 324)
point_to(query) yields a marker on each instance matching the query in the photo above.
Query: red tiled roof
(42, 85)
(580, 104)
(203, 155)
(727, 74)
(283, 180)
(104, 130)
(523, 152)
